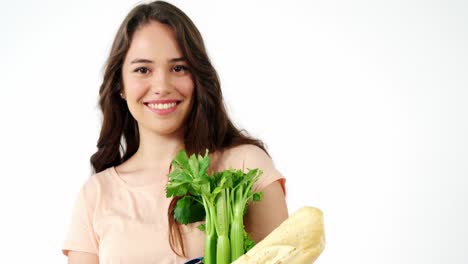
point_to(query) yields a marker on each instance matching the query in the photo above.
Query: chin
(166, 130)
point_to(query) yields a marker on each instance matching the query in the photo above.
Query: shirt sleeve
(255, 157)
(81, 235)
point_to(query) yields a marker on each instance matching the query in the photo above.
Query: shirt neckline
(116, 175)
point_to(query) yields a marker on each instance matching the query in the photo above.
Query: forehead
(154, 41)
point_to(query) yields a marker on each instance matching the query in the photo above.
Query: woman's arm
(264, 216)
(78, 257)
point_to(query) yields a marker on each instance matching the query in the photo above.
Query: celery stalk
(223, 249)
(210, 234)
(210, 249)
(237, 238)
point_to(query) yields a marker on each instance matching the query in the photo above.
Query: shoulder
(93, 185)
(246, 151)
(96, 179)
(244, 156)
(251, 152)
(249, 156)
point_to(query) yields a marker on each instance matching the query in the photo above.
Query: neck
(157, 151)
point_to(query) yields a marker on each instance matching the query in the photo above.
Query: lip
(163, 101)
(163, 112)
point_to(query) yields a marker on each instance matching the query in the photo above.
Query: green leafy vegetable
(221, 198)
(188, 210)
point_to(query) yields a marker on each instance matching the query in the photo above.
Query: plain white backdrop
(362, 104)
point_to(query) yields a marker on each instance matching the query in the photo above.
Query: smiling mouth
(163, 106)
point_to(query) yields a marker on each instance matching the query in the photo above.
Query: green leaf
(194, 166)
(202, 227)
(248, 242)
(245, 210)
(238, 175)
(204, 163)
(252, 175)
(188, 210)
(258, 196)
(245, 178)
(176, 189)
(179, 176)
(223, 181)
(181, 160)
(195, 189)
(217, 190)
(202, 179)
(179, 183)
(204, 182)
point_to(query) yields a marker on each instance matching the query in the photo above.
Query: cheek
(135, 88)
(186, 87)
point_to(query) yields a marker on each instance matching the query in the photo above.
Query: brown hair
(207, 126)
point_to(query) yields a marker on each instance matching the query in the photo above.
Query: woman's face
(158, 86)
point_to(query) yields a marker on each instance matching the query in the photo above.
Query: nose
(161, 83)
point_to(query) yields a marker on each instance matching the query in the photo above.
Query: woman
(160, 94)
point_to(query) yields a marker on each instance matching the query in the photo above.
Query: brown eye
(142, 70)
(179, 68)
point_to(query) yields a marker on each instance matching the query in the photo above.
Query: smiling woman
(160, 94)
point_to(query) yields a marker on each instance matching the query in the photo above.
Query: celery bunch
(221, 198)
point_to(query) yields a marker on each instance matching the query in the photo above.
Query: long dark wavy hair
(207, 126)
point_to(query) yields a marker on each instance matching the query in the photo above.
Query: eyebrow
(138, 60)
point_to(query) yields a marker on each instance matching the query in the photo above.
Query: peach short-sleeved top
(125, 224)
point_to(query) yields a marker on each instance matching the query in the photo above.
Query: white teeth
(162, 106)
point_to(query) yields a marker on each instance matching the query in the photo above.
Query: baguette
(299, 239)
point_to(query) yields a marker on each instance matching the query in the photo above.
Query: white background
(362, 104)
